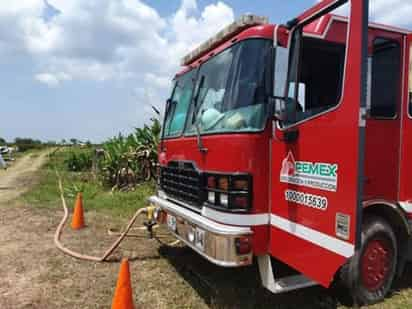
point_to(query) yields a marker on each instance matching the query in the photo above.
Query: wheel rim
(377, 262)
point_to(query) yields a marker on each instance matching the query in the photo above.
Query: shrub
(25, 144)
(79, 161)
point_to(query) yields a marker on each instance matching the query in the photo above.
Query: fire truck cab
(292, 143)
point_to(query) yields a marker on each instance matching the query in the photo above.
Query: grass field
(162, 276)
(98, 197)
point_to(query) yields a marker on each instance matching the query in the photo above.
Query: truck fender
(396, 217)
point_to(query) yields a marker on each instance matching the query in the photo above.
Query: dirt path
(34, 274)
(17, 179)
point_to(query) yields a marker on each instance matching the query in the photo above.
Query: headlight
(211, 197)
(224, 200)
(229, 192)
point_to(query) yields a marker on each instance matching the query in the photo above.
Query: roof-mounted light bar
(245, 21)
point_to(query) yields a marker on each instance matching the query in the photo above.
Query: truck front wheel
(369, 274)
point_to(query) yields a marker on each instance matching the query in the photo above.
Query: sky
(89, 69)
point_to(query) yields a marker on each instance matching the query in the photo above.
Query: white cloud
(101, 40)
(390, 12)
(15, 20)
(191, 30)
(52, 80)
(157, 81)
(27, 7)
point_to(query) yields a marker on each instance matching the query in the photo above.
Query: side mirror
(302, 96)
(284, 109)
(279, 109)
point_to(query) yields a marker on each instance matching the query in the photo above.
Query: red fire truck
(290, 143)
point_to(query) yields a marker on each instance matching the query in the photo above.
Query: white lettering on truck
(322, 176)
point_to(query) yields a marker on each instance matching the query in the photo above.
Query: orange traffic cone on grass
(123, 296)
(78, 217)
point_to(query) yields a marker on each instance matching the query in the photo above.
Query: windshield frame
(193, 71)
(268, 83)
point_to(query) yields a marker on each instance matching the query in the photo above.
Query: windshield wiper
(195, 121)
(196, 98)
(200, 146)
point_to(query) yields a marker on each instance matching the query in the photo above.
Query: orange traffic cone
(78, 217)
(123, 298)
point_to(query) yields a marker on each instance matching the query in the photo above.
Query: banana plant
(133, 158)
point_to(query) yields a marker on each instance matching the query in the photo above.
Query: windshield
(179, 104)
(231, 90)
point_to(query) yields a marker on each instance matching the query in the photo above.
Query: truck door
(383, 124)
(405, 192)
(317, 147)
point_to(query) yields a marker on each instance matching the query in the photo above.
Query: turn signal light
(243, 245)
(224, 183)
(241, 185)
(211, 182)
(229, 192)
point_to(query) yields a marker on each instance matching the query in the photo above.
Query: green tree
(74, 141)
(27, 143)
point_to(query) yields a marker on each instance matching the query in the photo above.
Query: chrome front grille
(183, 182)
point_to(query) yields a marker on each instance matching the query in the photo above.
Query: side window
(322, 74)
(320, 77)
(386, 70)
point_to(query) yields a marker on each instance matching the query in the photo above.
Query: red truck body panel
(232, 153)
(304, 238)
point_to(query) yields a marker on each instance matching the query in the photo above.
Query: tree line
(27, 143)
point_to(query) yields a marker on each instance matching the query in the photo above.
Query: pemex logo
(288, 165)
(323, 176)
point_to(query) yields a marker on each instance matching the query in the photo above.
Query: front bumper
(219, 241)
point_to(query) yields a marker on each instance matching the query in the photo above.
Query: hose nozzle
(151, 220)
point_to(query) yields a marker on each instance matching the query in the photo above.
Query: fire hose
(148, 210)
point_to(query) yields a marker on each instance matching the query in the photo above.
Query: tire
(369, 274)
